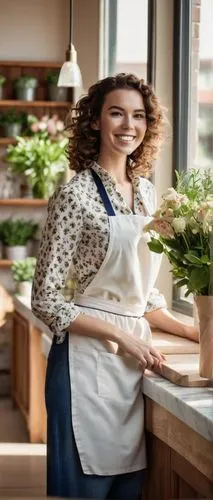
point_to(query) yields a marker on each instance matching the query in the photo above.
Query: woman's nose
(127, 122)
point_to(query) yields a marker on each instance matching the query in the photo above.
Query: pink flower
(162, 227)
(51, 127)
(35, 127)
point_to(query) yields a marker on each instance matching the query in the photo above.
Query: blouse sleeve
(156, 299)
(60, 238)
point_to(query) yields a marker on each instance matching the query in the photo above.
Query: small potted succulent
(23, 272)
(25, 87)
(15, 234)
(2, 81)
(55, 93)
(12, 122)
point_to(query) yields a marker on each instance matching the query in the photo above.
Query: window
(201, 120)
(193, 95)
(125, 42)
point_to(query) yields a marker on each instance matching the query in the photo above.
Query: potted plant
(182, 229)
(15, 234)
(23, 272)
(12, 122)
(54, 92)
(2, 81)
(42, 160)
(25, 87)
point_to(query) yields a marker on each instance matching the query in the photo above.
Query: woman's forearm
(88, 326)
(164, 320)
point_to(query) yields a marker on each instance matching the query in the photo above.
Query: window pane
(201, 120)
(200, 154)
(126, 37)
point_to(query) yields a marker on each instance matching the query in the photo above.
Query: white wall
(38, 31)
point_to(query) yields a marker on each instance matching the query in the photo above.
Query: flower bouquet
(182, 229)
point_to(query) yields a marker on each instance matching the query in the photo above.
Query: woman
(102, 341)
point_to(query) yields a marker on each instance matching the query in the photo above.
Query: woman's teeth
(127, 138)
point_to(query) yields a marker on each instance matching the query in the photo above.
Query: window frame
(182, 39)
(109, 24)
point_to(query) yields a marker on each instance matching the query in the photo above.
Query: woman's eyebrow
(122, 109)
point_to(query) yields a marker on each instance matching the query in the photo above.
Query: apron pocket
(118, 378)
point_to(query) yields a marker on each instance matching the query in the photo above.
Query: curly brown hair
(84, 141)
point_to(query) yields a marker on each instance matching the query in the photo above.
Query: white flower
(173, 196)
(179, 224)
(170, 195)
(42, 125)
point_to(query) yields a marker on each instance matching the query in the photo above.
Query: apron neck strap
(103, 194)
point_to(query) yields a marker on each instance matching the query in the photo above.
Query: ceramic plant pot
(204, 306)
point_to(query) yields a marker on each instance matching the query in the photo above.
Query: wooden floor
(22, 465)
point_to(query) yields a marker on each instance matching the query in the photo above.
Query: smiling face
(122, 123)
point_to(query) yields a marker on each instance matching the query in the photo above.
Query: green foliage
(25, 82)
(41, 160)
(23, 270)
(17, 232)
(2, 80)
(13, 116)
(196, 185)
(52, 77)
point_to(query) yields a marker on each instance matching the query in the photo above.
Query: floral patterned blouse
(74, 243)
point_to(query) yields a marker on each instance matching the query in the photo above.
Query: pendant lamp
(70, 74)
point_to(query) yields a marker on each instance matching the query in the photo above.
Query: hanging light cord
(71, 23)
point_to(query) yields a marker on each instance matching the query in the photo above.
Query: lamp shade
(70, 75)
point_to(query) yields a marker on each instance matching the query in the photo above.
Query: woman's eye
(140, 116)
(115, 113)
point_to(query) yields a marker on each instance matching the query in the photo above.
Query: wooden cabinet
(20, 363)
(180, 461)
(28, 377)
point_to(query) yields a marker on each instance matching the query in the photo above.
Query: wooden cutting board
(183, 369)
(172, 344)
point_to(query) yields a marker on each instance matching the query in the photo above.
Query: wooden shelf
(7, 140)
(32, 64)
(5, 263)
(34, 104)
(23, 202)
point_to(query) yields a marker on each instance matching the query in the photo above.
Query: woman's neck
(115, 167)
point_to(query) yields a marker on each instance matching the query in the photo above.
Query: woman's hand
(147, 356)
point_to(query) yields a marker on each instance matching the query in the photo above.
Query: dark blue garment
(65, 477)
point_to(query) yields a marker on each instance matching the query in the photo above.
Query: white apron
(107, 400)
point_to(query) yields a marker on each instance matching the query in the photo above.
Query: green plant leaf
(155, 246)
(199, 278)
(182, 282)
(205, 259)
(193, 259)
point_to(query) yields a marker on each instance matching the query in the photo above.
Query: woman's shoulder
(147, 187)
(70, 191)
